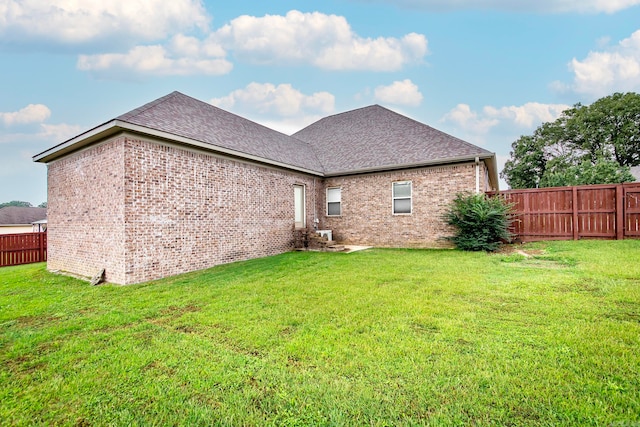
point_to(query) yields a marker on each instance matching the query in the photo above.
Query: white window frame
(339, 202)
(394, 198)
(302, 207)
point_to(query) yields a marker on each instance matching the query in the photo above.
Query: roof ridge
(339, 114)
(137, 111)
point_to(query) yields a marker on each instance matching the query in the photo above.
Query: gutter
(489, 159)
(477, 175)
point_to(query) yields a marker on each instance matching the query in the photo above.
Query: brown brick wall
(188, 210)
(367, 216)
(86, 212)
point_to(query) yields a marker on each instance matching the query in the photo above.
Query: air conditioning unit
(325, 233)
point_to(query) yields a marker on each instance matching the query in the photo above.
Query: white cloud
(325, 41)
(476, 125)
(82, 22)
(469, 120)
(282, 100)
(403, 92)
(58, 132)
(32, 113)
(541, 6)
(527, 115)
(602, 73)
(280, 107)
(182, 56)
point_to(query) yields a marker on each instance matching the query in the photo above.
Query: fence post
(619, 212)
(41, 242)
(526, 214)
(574, 205)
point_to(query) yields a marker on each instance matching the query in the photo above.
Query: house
(635, 171)
(179, 185)
(19, 219)
(39, 226)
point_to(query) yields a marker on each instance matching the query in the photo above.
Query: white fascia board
(438, 162)
(78, 142)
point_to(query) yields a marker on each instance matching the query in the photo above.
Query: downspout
(315, 206)
(477, 175)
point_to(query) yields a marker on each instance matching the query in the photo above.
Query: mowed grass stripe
(379, 337)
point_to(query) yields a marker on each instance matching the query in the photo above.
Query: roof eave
(489, 158)
(115, 126)
(78, 142)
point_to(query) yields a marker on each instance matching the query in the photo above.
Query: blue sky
(486, 71)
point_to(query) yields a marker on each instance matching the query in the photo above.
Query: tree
(527, 164)
(42, 205)
(16, 203)
(602, 172)
(595, 144)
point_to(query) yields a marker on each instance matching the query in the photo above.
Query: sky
(486, 71)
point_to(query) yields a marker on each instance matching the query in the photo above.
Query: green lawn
(379, 337)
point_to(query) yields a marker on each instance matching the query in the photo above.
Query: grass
(380, 337)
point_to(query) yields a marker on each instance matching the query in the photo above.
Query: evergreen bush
(481, 223)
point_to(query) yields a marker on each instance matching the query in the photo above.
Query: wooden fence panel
(24, 248)
(597, 212)
(632, 211)
(564, 213)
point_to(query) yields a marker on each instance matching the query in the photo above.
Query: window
(402, 197)
(298, 202)
(334, 198)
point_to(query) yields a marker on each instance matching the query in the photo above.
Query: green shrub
(481, 222)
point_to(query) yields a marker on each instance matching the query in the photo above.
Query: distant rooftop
(18, 215)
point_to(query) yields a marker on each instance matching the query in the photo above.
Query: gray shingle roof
(18, 215)
(367, 139)
(184, 116)
(377, 138)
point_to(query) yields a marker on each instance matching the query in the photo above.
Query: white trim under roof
(489, 158)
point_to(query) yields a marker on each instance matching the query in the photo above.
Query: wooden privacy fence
(608, 211)
(24, 248)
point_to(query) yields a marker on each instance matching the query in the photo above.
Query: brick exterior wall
(188, 210)
(367, 217)
(145, 209)
(86, 212)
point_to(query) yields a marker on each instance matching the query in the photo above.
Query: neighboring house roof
(635, 171)
(375, 138)
(17, 215)
(363, 140)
